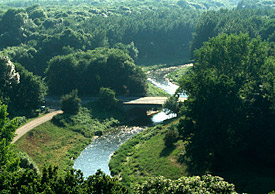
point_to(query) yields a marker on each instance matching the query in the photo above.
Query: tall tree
(227, 110)
(8, 78)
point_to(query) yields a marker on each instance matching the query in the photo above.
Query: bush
(107, 98)
(70, 103)
(172, 105)
(189, 185)
(170, 138)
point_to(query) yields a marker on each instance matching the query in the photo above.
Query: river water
(98, 154)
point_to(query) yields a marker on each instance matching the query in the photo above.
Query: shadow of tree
(167, 151)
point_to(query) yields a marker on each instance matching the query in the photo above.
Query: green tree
(8, 78)
(29, 93)
(91, 70)
(61, 75)
(107, 98)
(22, 91)
(70, 103)
(172, 105)
(188, 185)
(227, 110)
(27, 181)
(8, 161)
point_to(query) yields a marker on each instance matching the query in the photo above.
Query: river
(98, 154)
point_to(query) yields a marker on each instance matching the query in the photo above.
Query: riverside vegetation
(224, 128)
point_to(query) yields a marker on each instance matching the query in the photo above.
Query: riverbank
(97, 154)
(22, 130)
(146, 155)
(49, 144)
(60, 141)
(174, 76)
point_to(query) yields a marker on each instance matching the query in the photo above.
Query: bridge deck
(147, 100)
(126, 100)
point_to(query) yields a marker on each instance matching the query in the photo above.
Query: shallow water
(158, 79)
(162, 116)
(98, 154)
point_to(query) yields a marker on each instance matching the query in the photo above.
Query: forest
(51, 48)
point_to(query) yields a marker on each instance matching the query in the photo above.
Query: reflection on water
(162, 116)
(166, 85)
(98, 154)
(158, 79)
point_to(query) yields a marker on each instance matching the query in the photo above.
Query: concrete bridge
(128, 102)
(145, 102)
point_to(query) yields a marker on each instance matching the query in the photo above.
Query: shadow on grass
(167, 151)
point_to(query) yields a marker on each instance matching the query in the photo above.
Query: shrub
(170, 138)
(189, 185)
(70, 103)
(107, 98)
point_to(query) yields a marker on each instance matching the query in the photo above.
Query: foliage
(170, 138)
(89, 71)
(254, 4)
(20, 89)
(189, 185)
(50, 181)
(86, 122)
(213, 23)
(107, 98)
(8, 160)
(70, 103)
(230, 102)
(33, 35)
(172, 105)
(144, 156)
(26, 162)
(29, 93)
(9, 77)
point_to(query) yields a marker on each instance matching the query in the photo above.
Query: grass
(60, 141)
(49, 144)
(146, 155)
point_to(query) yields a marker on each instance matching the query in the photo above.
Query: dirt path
(34, 123)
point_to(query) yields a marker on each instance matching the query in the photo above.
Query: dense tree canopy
(89, 71)
(93, 46)
(230, 108)
(20, 89)
(33, 35)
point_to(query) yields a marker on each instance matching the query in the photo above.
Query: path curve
(34, 123)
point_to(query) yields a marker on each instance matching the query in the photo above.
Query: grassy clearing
(146, 155)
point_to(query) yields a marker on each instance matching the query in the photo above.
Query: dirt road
(34, 123)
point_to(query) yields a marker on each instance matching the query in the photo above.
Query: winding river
(98, 154)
